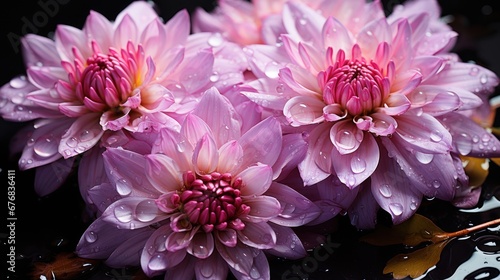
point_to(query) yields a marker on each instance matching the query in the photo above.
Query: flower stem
(447, 235)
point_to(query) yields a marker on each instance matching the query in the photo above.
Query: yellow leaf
(476, 169)
(496, 161)
(416, 230)
(416, 263)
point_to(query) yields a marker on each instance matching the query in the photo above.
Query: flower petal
(262, 143)
(129, 252)
(258, 235)
(205, 155)
(230, 155)
(256, 179)
(133, 212)
(304, 110)
(82, 135)
(262, 208)
(293, 151)
(163, 173)
(288, 244)
(213, 267)
(202, 245)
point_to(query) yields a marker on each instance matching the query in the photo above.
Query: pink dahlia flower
(134, 74)
(381, 104)
(260, 21)
(204, 202)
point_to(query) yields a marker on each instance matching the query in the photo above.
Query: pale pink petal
(262, 143)
(382, 125)
(175, 146)
(354, 168)
(258, 235)
(194, 128)
(102, 196)
(163, 173)
(133, 212)
(396, 104)
(335, 35)
(125, 30)
(83, 134)
(201, 64)
(288, 244)
(91, 171)
(346, 137)
(256, 179)
(469, 138)
(296, 209)
(334, 112)
(97, 27)
(373, 34)
(71, 36)
(141, 12)
(205, 155)
(262, 208)
(295, 14)
(45, 77)
(316, 165)
(402, 45)
(230, 155)
(156, 98)
(304, 110)
(213, 267)
(293, 151)
(424, 133)
(202, 245)
(177, 29)
(39, 50)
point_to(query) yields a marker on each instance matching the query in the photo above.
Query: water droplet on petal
(46, 146)
(18, 82)
(474, 71)
(396, 208)
(157, 263)
(214, 77)
(351, 181)
(72, 142)
(18, 98)
(146, 211)
(91, 237)
(436, 184)
(385, 191)
(423, 157)
(436, 136)
(123, 213)
(272, 70)
(86, 135)
(464, 144)
(358, 165)
(215, 40)
(123, 187)
(207, 271)
(3, 102)
(413, 206)
(345, 139)
(254, 273)
(483, 79)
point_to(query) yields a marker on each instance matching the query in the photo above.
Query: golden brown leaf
(416, 263)
(65, 266)
(476, 169)
(416, 230)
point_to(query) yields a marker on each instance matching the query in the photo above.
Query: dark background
(53, 224)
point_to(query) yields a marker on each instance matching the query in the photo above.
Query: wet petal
(288, 244)
(262, 208)
(205, 155)
(256, 179)
(83, 134)
(202, 245)
(258, 235)
(163, 173)
(133, 212)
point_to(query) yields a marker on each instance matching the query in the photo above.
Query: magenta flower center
(213, 201)
(356, 85)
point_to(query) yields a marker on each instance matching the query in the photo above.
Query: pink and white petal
(81, 136)
(264, 59)
(175, 146)
(443, 103)
(262, 143)
(334, 112)
(213, 267)
(163, 173)
(194, 128)
(155, 98)
(46, 77)
(402, 46)
(39, 50)
(129, 252)
(288, 244)
(201, 64)
(102, 238)
(125, 30)
(336, 35)
(237, 257)
(97, 29)
(227, 237)
(179, 241)
(294, 16)
(43, 98)
(177, 29)
(259, 269)
(230, 155)
(155, 257)
(300, 80)
(440, 172)
(372, 34)
(428, 66)
(70, 109)
(226, 124)
(310, 171)
(52, 176)
(296, 209)
(126, 170)
(393, 191)
(202, 245)
(346, 137)
(141, 12)
(42, 146)
(152, 38)
(424, 133)
(382, 125)
(262, 208)
(363, 211)
(258, 235)
(304, 110)
(102, 196)
(91, 171)
(469, 138)
(256, 179)
(395, 105)
(205, 155)
(70, 36)
(354, 168)
(133, 212)
(293, 151)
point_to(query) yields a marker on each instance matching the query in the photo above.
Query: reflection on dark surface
(52, 225)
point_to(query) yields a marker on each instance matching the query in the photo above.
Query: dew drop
(72, 142)
(254, 273)
(272, 70)
(464, 144)
(123, 213)
(385, 191)
(86, 135)
(18, 98)
(215, 40)
(396, 209)
(483, 79)
(436, 184)
(345, 139)
(207, 271)
(123, 187)
(280, 88)
(18, 82)
(302, 21)
(3, 102)
(474, 71)
(486, 138)
(45, 146)
(413, 206)
(436, 136)
(91, 237)
(214, 77)
(351, 181)
(475, 139)
(358, 165)
(146, 211)
(424, 158)
(157, 263)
